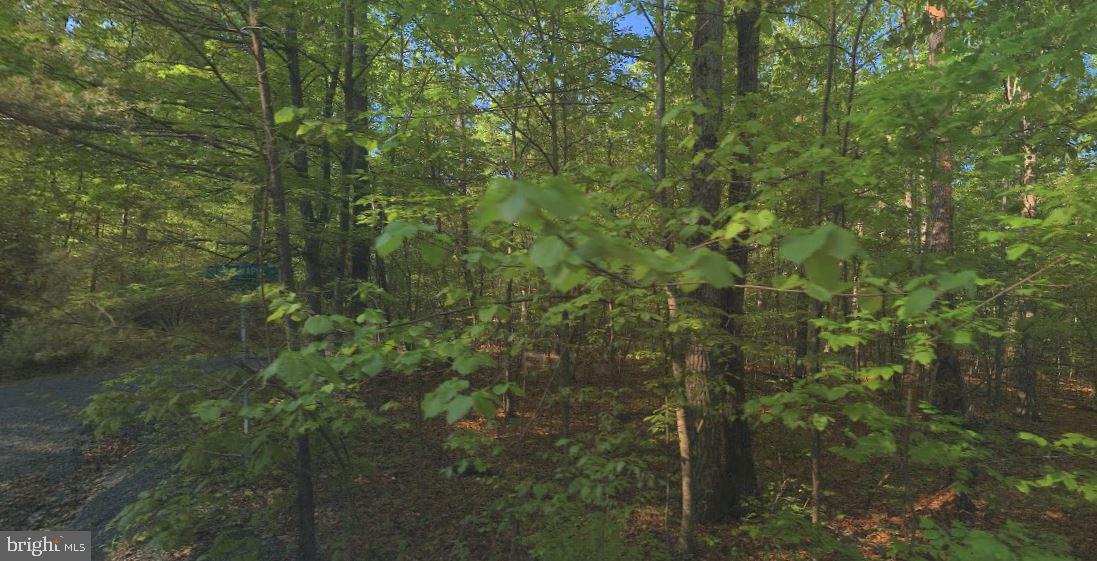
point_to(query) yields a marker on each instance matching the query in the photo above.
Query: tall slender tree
(946, 382)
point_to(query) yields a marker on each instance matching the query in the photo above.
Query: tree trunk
(660, 98)
(275, 185)
(1027, 405)
(565, 371)
(311, 253)
(510, 407)
(306, 511)
(821, 308)
(306, 503)
(710, 493)
(687, 528)
(358, 165)
(947, 391)
(741, 469)
(93, 285)
(349, 163)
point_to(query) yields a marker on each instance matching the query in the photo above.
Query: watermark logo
(45, 546)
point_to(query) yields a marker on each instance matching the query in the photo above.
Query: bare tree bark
(947, 383)
(1027, 404)
(306, 508)
(704, 431)
(349, 161)
(300, 161)
(659, 30)
(740, 454)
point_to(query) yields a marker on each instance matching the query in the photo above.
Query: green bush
(38, 343)
(579, 535)
(125, 324)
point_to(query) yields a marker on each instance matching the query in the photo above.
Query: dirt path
(42, 443)
(45, 480)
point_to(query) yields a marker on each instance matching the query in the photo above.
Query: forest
(556, 280)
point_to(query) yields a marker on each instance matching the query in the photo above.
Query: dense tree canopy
(683, 277)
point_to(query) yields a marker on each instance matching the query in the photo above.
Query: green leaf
(433, 254)
(567, 278)
(693, 107)
(871, 299)
(799, 248)
(465, 60)
(442, 397)
(714, 269)
(1014, 252)
(961, 338)
(918, 302)
(488, 313)
(961, 279)
(469, 363)
(548, 252)
(210, 410)
(373, 364)
(505, 387)
(457, 408)
(732, 230)
(559, 197)
(824, 270)
(394, 235)
(817, 292)
(1059, 217)
(285, 115)
(1033, 438)
(514, 207)
(841, 243)
(484, 403)
(318, 325)
(371, 316)
(832, 240)
(291, 367)
(923, 356)
(367, 144)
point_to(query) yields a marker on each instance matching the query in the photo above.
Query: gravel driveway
(41, 443)
(44, 482)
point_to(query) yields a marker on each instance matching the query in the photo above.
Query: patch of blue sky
(628, 19)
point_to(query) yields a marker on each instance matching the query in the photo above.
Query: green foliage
(575, 536)
(448, 398)
(581, 511)
(462, 189)
(958, 542)
(478, 453)
(1080, 481)
(785, 531)
(395, 233)
(36, 344)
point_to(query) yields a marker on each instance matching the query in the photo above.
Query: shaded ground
(398, 506)
(42, 446)
(52, 473)
(405, 509)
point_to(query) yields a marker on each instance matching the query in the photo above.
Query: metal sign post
(243, 277)
(244, 354)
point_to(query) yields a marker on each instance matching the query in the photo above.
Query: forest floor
(53, 473)
(48, 463)
(404, 508)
